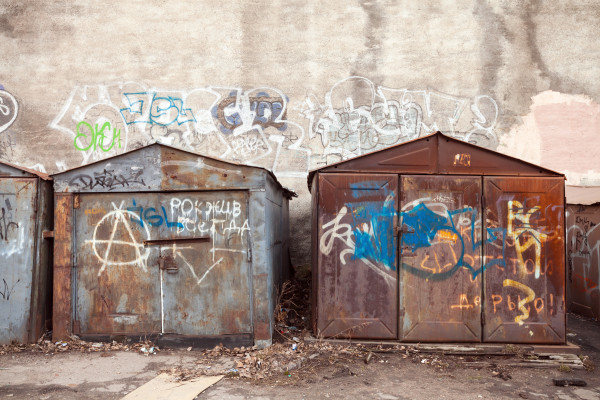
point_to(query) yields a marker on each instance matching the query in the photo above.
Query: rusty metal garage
(438, 240)
(167, 244)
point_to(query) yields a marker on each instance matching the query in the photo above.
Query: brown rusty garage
(438, 240)
(165, 244)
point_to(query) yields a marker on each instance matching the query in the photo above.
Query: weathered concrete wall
(292, 85)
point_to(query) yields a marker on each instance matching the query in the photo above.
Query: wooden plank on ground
(166, 387)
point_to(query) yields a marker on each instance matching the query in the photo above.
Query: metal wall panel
(163, 262)
(440, 253)
(17, 239)
(117, 277)
(208, 292)
(357, 256)
(524, 279)
(583, 255)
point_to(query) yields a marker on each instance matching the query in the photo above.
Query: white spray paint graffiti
(243, 126)
(335, 229)
(119, 217)
(9, 108)
(358, 117)
(252, 126)
(214, 218)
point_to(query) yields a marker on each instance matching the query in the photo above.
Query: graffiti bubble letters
(234, 111)
(151, 216)
(163, 110)
(9, 109)
(108, 179)
(96, 137)
(358, 116)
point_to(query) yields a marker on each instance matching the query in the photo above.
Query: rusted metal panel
(458, 157)
(63, 264)
(436, 154)
(315, 254)
(17, 252)
(177, 196)
(440, 255)
(357, 256)
(41, 300)
(135, 171)
(187, 171)
(524, 264)
(163, 263)
(583, 256)
(209, 293)
(159, 168)
(117, 284)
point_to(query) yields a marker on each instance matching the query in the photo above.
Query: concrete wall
(292, 85)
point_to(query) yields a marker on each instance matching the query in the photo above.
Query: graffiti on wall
(249, 126)
(437, 242)
(95, 137)
(358, 116)
(583, 256)
(119, 236)
(429, 223)
(109, 179)
(365, 229)
(8, 227)
(9, 108)
(254, 126)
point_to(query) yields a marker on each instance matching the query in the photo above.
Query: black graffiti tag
(6, 225)
(108, 179)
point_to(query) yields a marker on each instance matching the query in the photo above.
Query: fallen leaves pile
(291, 357)
(76, 344)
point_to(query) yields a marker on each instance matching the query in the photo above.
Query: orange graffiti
(530, 297)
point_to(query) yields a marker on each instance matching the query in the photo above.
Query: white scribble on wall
(248, 126)
(357, 117)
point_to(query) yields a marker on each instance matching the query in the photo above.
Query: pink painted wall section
(571, 136)
(561, 132)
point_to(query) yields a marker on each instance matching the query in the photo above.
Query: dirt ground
(313, 370)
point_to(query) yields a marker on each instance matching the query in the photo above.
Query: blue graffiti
(367, 188)
(424, 225)
(263, 110)
(152, 217)
(163, 111)
(373, 229)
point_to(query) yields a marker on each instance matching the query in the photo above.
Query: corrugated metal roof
(28, 170)
(436, 154)
(288, 192)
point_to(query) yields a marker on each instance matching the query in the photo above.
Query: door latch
(168, 263)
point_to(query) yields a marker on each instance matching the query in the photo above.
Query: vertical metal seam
(35, 287)
(250, 262)
(74, 275)
(483, 301)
